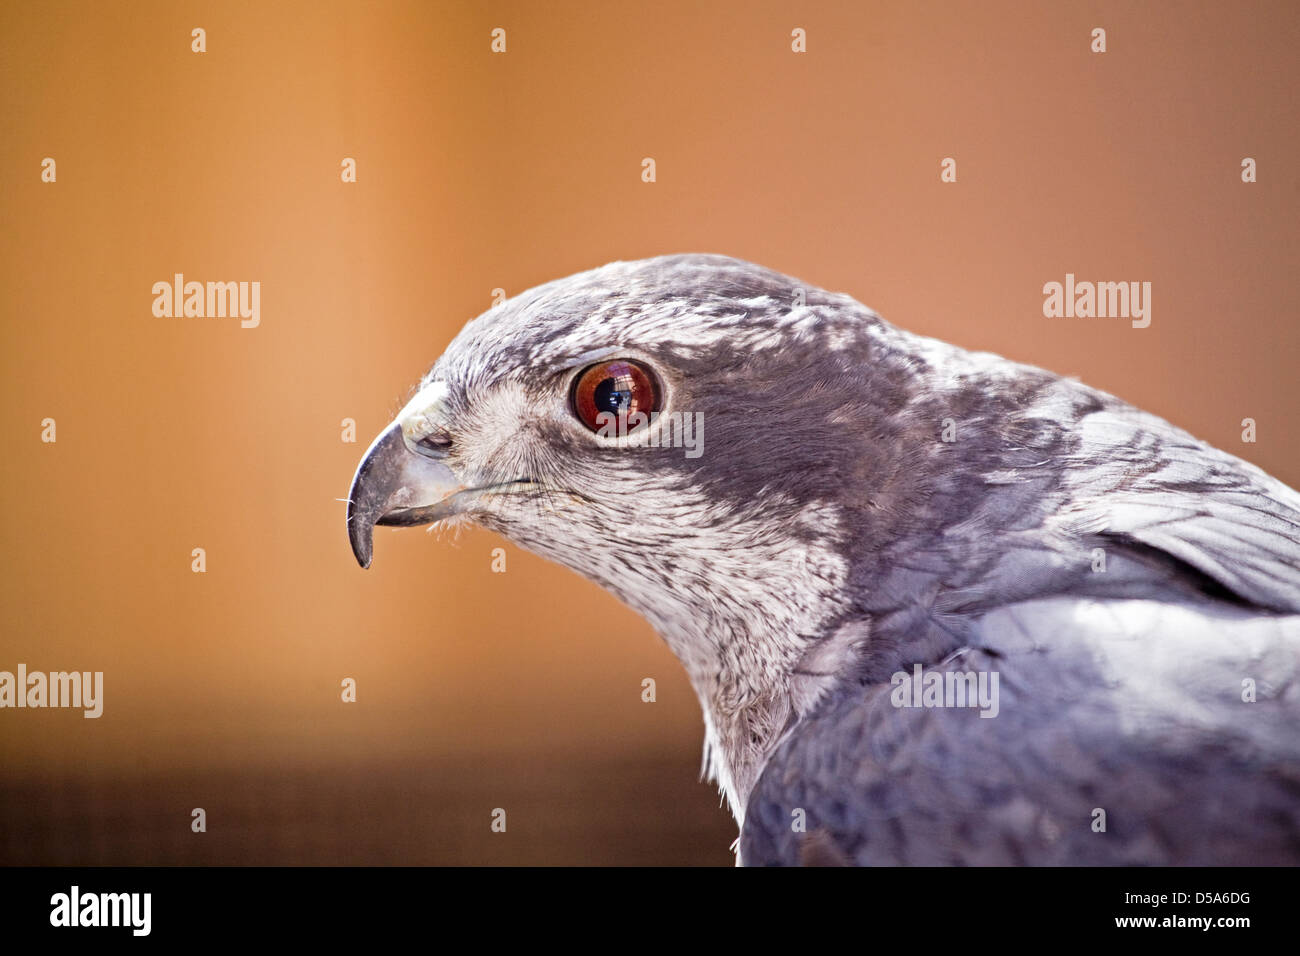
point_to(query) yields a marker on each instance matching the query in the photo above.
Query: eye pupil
(620, 388)
(610, 397)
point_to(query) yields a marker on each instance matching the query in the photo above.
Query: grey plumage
(1129, 707)
(830, 538)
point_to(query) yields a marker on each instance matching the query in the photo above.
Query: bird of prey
(938, 607)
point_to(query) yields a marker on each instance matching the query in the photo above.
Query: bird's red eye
(615, 397)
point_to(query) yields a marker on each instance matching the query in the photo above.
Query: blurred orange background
(475, 171)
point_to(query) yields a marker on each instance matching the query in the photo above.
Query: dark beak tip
(360, 537)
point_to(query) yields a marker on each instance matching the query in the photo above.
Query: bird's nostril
(437, 442)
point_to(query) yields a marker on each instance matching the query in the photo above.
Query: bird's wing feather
(1137, 479)
(1131, 707)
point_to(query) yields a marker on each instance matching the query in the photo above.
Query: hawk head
(702, 437)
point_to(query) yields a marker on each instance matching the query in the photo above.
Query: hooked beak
(396, 486)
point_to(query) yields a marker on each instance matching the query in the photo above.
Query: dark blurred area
(642, 812)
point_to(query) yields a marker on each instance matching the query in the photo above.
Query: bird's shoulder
(1118, 731)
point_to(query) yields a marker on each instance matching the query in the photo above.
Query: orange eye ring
(606, 395)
